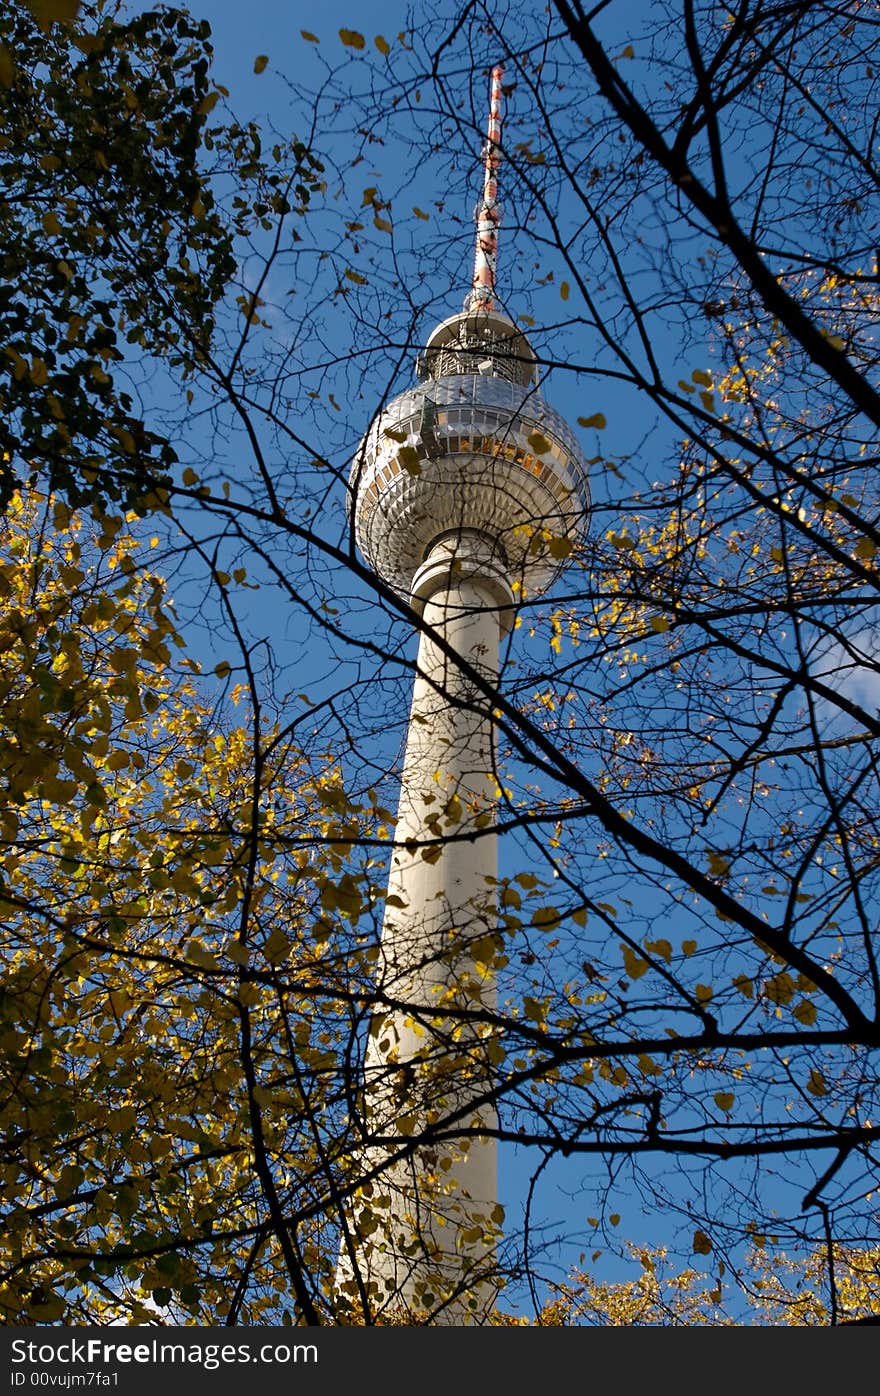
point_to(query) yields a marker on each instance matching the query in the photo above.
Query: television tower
(466, 493)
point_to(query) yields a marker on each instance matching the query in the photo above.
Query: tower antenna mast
(488, 212)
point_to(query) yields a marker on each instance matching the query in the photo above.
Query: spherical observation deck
(472, 446)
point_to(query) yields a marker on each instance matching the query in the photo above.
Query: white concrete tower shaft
(430, 1221)
(459, 493)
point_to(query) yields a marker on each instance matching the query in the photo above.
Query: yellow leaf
(51, 224)
(560, 548)
(805, 1012)
(660, 947)
(409, 459)
(724, 1100)
(866, 547)
(53, 11)
(598, 420)
(223, 669)
(634, 964)
(125, 439)
(780, 989)
(564, 290)
(703, 993)
(688, 947)
(699, 375)
(526, 880)
(382, 224)
(356, 277)
(702, 1244)
(539, 444)
(189, 476)
(276, 947)
(719, 865)
(546, 917)
(817, 1084)
(351, 38)
(382, 45)
(419, 214)
(260, 62)
(310, 38)
(454, 810)
(660, 624)
(745, 985)
(534, 1009)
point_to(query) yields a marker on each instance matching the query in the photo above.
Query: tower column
(425, 1229)
(462, 482)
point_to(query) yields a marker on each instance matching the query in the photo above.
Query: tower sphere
(472, 446)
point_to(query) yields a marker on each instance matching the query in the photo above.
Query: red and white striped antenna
(488, 214)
